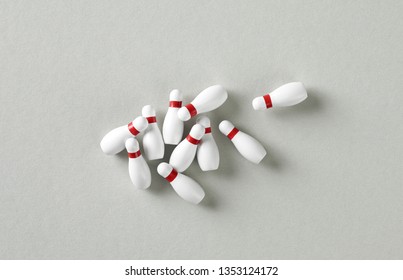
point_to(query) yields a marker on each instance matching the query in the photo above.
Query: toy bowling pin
(286, 95)
(208, 155)
(184, 186)
(172, 129)
(114, 141)
(246, 145)
(138, 168)
(208, 100)
(152, 140)
(183, 154)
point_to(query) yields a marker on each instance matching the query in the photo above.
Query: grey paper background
(331, 187)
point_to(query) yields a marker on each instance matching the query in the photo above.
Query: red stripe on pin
(232, 133)
(132, 129)
(172, 175)
(207, 130)
(192, 110)
(134, 155)
(267, 99)
(175, 104)
(152, 119)
(192, 140)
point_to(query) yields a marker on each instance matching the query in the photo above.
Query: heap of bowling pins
(199, 143)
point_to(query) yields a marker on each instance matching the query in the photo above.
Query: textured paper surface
(330, 187)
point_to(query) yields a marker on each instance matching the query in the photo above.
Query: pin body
(247, 146)
(209, 99)
(183, 154)
(153, 143)
(172, 129)
(208, 155)
(184, 186)
(114, 141)
(138, 168)
(287, 95)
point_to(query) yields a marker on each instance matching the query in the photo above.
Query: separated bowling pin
(208, 100)
(138, 168)
(184, 186)
(208, 155)
(172, 129)
(152, 140)
(286, 95)
(246, 145)
(183, 154)
(114, 141)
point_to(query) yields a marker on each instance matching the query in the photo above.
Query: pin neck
(134, 155)
(232, 133)
(192, 110)
(192, 140)
(175, 104)
(267, 100)
(132, 129)
(172, 175)
(207, 130)
(151, 119)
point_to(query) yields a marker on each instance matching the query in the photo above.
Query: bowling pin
(184, 186)
(138, 168)
(183, 154)
(208, 100)
(172, 129)
(152, 139)
(208, 156)
(114, 141)
(246, 145)
(286, 95)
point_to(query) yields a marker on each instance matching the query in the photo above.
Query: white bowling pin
(184, 186)
(208, 100)
(152, 140)
(114, 141)
(246, 145)
(172, 129)
(208, 155)
(286, 95)
(183, 154)
(138, 168)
